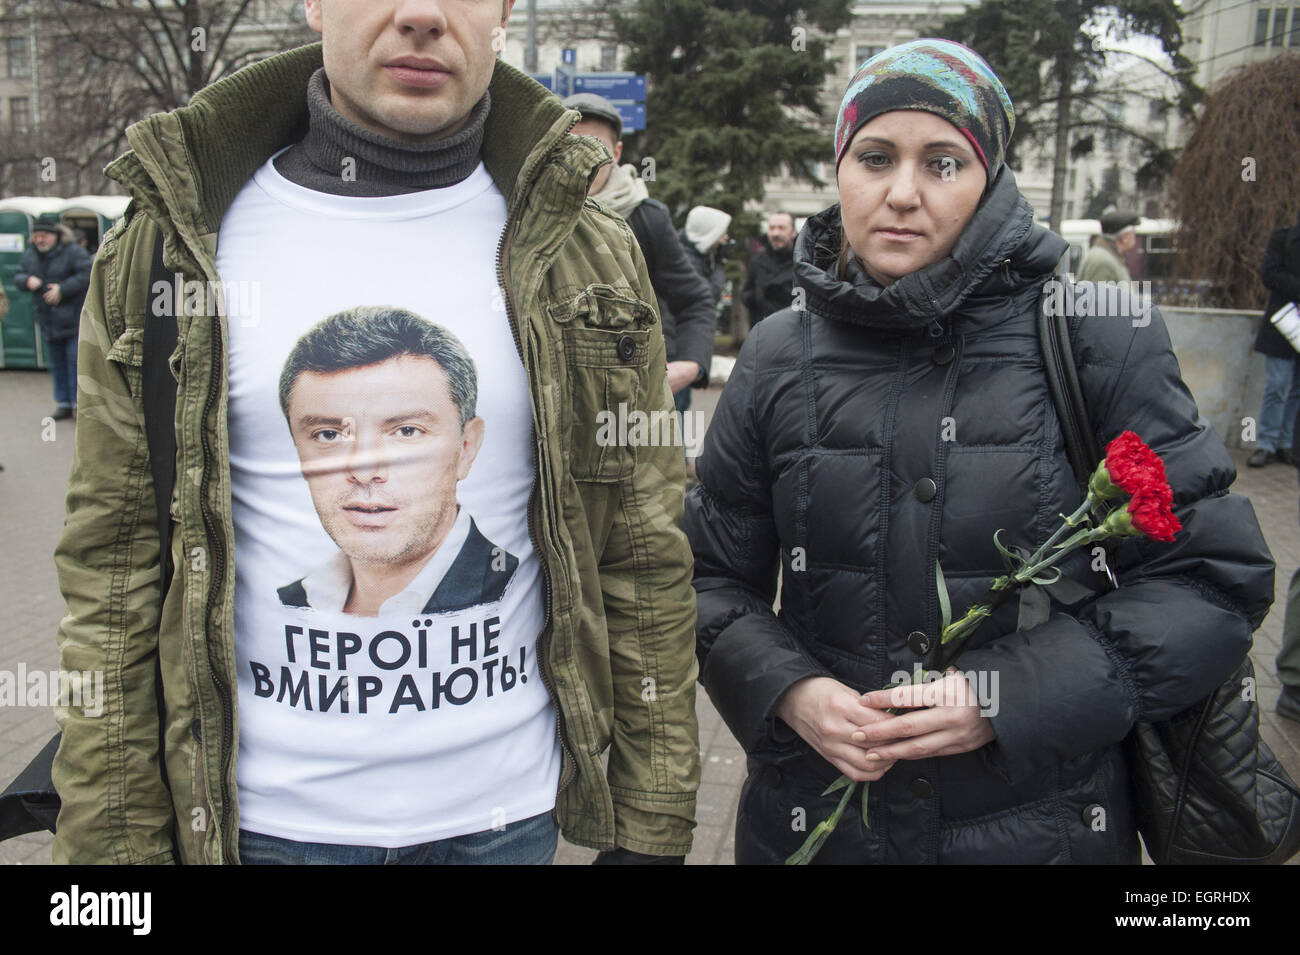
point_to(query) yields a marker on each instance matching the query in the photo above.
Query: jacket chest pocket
(607, 369)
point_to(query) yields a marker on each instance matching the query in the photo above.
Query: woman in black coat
(899, 419)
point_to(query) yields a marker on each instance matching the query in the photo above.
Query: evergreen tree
(1051, 56)
(734, 93)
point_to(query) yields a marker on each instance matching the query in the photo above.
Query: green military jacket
(617, 649)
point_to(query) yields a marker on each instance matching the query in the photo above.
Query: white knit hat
(705, 226)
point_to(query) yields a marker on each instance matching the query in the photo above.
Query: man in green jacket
(335, 203)
(1104, 261)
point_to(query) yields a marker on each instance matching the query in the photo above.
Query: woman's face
(909, 182)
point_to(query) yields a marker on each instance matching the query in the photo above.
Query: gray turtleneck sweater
(343, 159)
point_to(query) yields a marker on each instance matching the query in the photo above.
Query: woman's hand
(954, 722)
(829, 716)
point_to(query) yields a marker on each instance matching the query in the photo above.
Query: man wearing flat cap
(58, 276)
(684, 297)
(1104, 262)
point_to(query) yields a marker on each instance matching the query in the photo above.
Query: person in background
(58, 275)
(770, 283)
(705, 239)
(1104, 261)
(685, 302)
(1280, 272)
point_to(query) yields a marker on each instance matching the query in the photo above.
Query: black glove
(621, 856)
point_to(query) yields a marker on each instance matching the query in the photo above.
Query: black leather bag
(1209, 791)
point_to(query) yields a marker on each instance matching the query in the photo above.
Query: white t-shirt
(387, 606)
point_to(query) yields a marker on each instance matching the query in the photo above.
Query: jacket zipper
(568, 762)
(218, 573)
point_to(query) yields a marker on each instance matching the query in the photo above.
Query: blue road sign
(563, 86)
(632, 114)
(569, 55)
(612, 86)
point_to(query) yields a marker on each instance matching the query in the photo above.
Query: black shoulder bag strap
(30, 803)
(1067, 395)
(1080, 448)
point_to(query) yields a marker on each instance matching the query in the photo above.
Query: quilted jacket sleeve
(1182, 617)
(115, 808)
(79, 267)
(748, 656)
(27, 266)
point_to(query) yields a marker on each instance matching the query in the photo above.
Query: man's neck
(341, 158)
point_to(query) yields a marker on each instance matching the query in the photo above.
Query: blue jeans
(1277, 412)
(527, 842)
(62, 359)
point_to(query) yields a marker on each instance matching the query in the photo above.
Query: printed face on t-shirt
(382, 449)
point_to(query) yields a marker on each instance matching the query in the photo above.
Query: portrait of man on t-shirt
(380, 404)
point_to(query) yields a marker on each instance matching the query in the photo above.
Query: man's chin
(415, 117)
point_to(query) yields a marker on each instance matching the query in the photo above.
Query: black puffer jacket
(66, 265)
(685, 300)
(1280, 272)
(881, 430)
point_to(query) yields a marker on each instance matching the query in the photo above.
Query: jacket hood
(1000, 251)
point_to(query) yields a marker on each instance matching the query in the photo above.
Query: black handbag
(1208, 789)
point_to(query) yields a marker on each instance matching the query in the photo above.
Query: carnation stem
(1070, 522)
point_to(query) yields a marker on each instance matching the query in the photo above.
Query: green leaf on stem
(837, 785)
(1016, 559)
(866, 788)
(945, 605)
(804, 854)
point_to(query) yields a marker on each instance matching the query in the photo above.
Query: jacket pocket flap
(604, 306)
(128, 349)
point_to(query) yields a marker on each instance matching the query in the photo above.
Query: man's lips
(368, 515)
(418, 71)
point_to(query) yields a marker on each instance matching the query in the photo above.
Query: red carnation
(1151, 514)
(1134, 467)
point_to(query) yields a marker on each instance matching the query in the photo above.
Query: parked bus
(20, 345)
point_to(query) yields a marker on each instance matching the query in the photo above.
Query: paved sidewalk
(37, 458)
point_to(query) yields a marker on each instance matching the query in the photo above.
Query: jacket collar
(188, 165)
(1000, 250)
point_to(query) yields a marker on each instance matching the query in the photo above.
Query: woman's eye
(874, 160)
(947, 166)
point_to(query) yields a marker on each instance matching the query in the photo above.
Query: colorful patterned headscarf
(936, 76)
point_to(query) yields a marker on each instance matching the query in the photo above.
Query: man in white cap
(706, 242)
